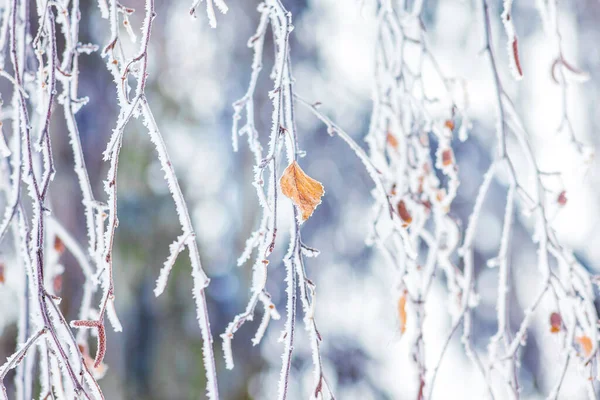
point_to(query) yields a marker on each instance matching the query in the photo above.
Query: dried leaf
(392, 141)
(304, 191)
(555, 322)
(586, 344)
(404, 214)
(2, 278)
(447, 157)
(402, 312)
(59, 246)
(449, 124)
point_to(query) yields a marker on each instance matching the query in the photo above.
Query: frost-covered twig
(17, 358)
(65, 367)
(121, 68)
(283, 135)
(210, 11)
(33, 167)
(333, 128)
(406, 125)
(563, 72)
(574, 295)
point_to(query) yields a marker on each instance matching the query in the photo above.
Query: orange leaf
(304, 191)
(392, 141)
(2, 279)
(402, 312)
(586, 344)
(59, 246)
(449, 124)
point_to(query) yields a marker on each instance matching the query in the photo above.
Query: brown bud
(562, 198)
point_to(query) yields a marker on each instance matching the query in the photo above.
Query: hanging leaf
(304, 191)
(404, 214)
(2, 278)
(392, 141)
(555, 322)
(447, 157)
(402, 312)
(59, 246)
(586, 344)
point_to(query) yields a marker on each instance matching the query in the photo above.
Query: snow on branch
(405, 126)
(210, 10)
(304, 192)
(65, 367)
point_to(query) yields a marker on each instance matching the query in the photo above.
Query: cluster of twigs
(410, 148)
(283, 137)
(406, 123)
(65, 367)
(66, 370)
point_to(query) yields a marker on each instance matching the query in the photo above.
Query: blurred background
(195, 75)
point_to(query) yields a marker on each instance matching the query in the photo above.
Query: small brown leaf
(2, 278)
(392, 141)
(447, 157)
(304, 191)
(402, 312)
(404, 214)
(555, 322)
(59, 246)
(449, 124)
(586, 344)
